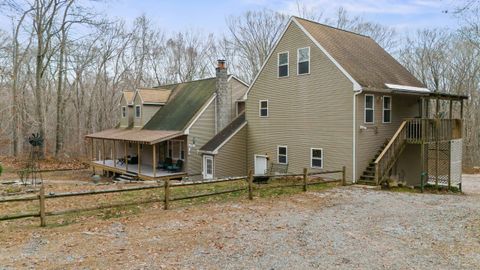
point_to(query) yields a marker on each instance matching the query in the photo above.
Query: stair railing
(387, 158)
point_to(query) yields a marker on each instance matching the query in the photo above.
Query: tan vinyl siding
(148, 111)
(238, 91)
(202, 130)
(369, 141)
(231, 158)
(305, 111)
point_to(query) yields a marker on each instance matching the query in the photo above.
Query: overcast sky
(209, 15)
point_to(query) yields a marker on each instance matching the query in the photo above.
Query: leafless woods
(63, 67)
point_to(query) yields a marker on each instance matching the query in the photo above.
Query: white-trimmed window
(369, 109)
(263, 108)
(283, 58)
(303, 61)
(138, 111)
(387, 109)
(316, 158)
(124, 111)
(282, 154)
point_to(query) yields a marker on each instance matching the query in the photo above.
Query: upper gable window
(369, 109)
(283, 64)
(303, 59)
(124, 111)
(387, 109)
(138, 111)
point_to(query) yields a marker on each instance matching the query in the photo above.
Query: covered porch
(147, 154)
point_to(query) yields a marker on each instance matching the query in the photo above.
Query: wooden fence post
(41, 198)
(167, 193)
(305, 175)
(250, 184)
(344, 178)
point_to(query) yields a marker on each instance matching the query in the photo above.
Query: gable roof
(361, 57)
(224, 135)
(186, 99)
(154, 95)
(128, 96)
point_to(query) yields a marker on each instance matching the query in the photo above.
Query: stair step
(367, 177)
(369, 172)
(366, 182)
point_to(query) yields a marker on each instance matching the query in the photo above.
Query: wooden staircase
(411, 131)
(368, 176)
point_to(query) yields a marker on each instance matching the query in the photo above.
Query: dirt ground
(339, 228)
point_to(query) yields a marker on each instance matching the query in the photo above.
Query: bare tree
(252, 36)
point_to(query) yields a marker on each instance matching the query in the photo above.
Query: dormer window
(138, 111)
(124, 111)
(283, 64)
(303, 59)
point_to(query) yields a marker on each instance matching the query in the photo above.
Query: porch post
(126, 159)
(114, 153)
(139, 158)
(437, 143)
(154, 160)
(450, 110)
(93, 149)
(461, 109)
(103, 151)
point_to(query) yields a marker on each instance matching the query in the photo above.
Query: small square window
(282, 157)
(263, 108)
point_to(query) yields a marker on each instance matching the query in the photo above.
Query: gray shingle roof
(224, 134)
(368, 63)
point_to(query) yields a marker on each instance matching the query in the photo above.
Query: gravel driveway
(341, 228)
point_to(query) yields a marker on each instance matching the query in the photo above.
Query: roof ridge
(333, 27)
(163, 85)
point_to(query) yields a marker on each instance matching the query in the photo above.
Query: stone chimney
(224, 97)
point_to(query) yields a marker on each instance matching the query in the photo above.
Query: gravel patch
(340, 228)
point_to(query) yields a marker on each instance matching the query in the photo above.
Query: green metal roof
(185, 101)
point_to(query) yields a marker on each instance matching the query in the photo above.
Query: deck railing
(415, 131)
(427, 130)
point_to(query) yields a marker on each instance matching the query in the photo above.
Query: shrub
(1, 169)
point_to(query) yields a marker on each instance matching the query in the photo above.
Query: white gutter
(354, 145)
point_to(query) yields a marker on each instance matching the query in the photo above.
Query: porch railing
(415, 131)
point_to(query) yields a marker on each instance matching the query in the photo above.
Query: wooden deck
(146, 170)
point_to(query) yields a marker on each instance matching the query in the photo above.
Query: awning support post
(154, 160)
(139, 156)
(126, 157)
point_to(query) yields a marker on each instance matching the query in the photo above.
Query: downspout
(354, 146)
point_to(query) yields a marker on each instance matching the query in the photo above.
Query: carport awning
(143, 136)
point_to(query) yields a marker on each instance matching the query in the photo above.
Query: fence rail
(166, 185)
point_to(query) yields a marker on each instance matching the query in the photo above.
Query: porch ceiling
(143, 136)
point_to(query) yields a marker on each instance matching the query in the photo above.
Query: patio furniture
(165, 164)
(133, 160)
(176, 167)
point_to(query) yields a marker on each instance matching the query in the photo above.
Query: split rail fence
(167, 186)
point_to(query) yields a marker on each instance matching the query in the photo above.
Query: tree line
(63, 66)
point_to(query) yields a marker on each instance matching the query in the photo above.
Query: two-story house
(327, 98)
